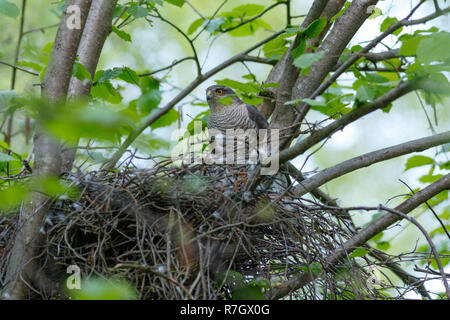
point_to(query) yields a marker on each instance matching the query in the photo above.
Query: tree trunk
(98, 26)
(47, 157)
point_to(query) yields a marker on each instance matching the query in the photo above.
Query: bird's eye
(219, 92)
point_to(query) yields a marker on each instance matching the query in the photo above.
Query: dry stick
(368, 159)
(407, 278)
(430, 242)
(109, 164)
(47, 157)
(363, 236)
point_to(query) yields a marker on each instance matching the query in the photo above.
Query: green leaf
(383, 245)
(226, 100)
(375, 13)
(366, 93)
(137, 11)
(248, 10)
(195, 25)
(166, 120)
(435, 47)
(418, 161)
(315, 268)
(244, 87)
(430, 178)
(129, 75)
(106, 91)
(6, 157)
(409, 45)
(104, 289)
(5, 99)
(315, 28)
(300, 49)
(9, 9)
(178, 3)
(109, 74)
(271, 85)
(122, 34)
(358, 252)
(307, 59)
(275, 48)
(341, 12)
(12, 197)
(80, 72)
(387, 23)
(151, 95)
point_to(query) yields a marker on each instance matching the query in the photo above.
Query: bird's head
(217, 92)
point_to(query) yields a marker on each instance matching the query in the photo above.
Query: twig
(254, 17)
(191, 43)
(167, 67)
(362, 236)
(40, 29)
(19, 68)
(431, 209)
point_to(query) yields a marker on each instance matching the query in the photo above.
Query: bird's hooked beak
(208, 95)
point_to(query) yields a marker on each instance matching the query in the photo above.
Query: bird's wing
(257, 117)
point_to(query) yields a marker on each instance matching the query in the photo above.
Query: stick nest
(190, 232)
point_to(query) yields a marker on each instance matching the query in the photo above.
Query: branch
(191, 42)
(167, 67)
(344, 29)
(110, 163)
(363, 236)
(40, 29)
(19, 68)
(278, 72)
(254, 18)
(372, 44)
(317, 136)
(20, 266)
(368, 159)
(407, 278)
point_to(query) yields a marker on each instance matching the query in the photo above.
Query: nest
(191, 232)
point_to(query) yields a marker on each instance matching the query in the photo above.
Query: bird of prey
(237, 115)
(234, 115)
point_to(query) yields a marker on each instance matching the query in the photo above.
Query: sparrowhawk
(237, 115)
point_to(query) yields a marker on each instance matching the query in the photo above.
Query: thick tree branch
(284, 69)
(345, 27)
(368, 159)
(363, 236)
(317, 136)
(97, 28)
(20, 267)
